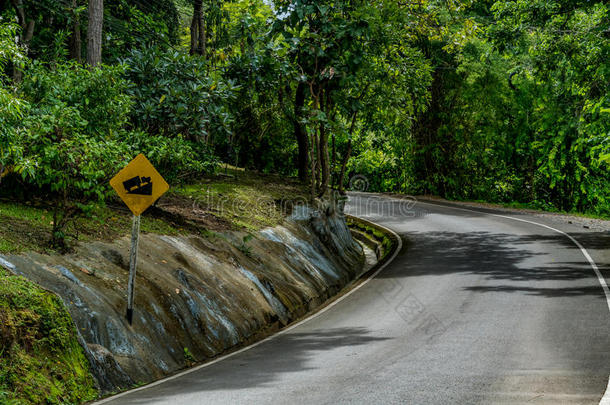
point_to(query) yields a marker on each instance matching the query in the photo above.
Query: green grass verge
(245, 199)
(239, 199)
(27, 227)
(41, 361)
(387, 243)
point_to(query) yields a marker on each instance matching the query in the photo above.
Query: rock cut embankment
(196, 297)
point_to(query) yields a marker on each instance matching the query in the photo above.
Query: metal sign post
(133, 260)
(139, 185)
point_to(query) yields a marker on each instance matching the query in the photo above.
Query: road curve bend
(476, 308)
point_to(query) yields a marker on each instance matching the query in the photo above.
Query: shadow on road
(518, 261)
(291, 352)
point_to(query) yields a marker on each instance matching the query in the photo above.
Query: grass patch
(28, 227)
(235, 199)
(41, 360)
(248, 200)
(23, 227)
(110, 223)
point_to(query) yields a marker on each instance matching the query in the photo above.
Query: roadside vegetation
(27, 227)
(386, 241)
(504, 101)
(239, 199)
(232, 199)
(41, 360)
(497, 101)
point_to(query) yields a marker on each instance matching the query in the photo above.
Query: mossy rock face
(41, 361)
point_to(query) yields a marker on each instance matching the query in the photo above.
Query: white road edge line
(281, 332)
(602, 281)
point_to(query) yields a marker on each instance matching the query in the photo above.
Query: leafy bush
(73, 170)
(178, 159)
(174, 95)
(11, 107)
(67, 133)
(11, 112)
(99, 95)
(72, 145)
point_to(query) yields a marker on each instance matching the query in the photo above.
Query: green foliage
(98, 95)
(73, 170)
(9, 51)
(11, 107)
(66, 130)
(70, 144)
(50, 21)
(11, 113)
(261, 138)
(174, 96)
(138, 24)
(177, 158)
(188, 356)
(492, 100)
(565, 54)
(517, 114)
(41, 360)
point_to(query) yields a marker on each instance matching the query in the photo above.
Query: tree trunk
(344, 165)
(94, 32)
(202, 34)
(194, 33)
(347, 154)
(75, 40)
(18, 4)
(325, 106)
(317, 174)
(324, 162)
(324, 155)
(27, 32)
(198, 32)
(313, 162)
(333, 164)
(299, 132)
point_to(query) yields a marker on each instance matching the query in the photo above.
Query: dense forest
(502, 101)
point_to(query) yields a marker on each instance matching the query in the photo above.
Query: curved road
(476, 308)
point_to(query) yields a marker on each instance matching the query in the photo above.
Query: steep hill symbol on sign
(134, 184)
(138, 185)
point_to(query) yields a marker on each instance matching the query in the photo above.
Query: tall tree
(299, 131)
(27, 32)
(94, 32)
(75, 39)
(198, 30)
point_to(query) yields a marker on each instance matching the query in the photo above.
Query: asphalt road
(476, 308)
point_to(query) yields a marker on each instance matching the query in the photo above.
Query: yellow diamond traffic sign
(139, 184)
